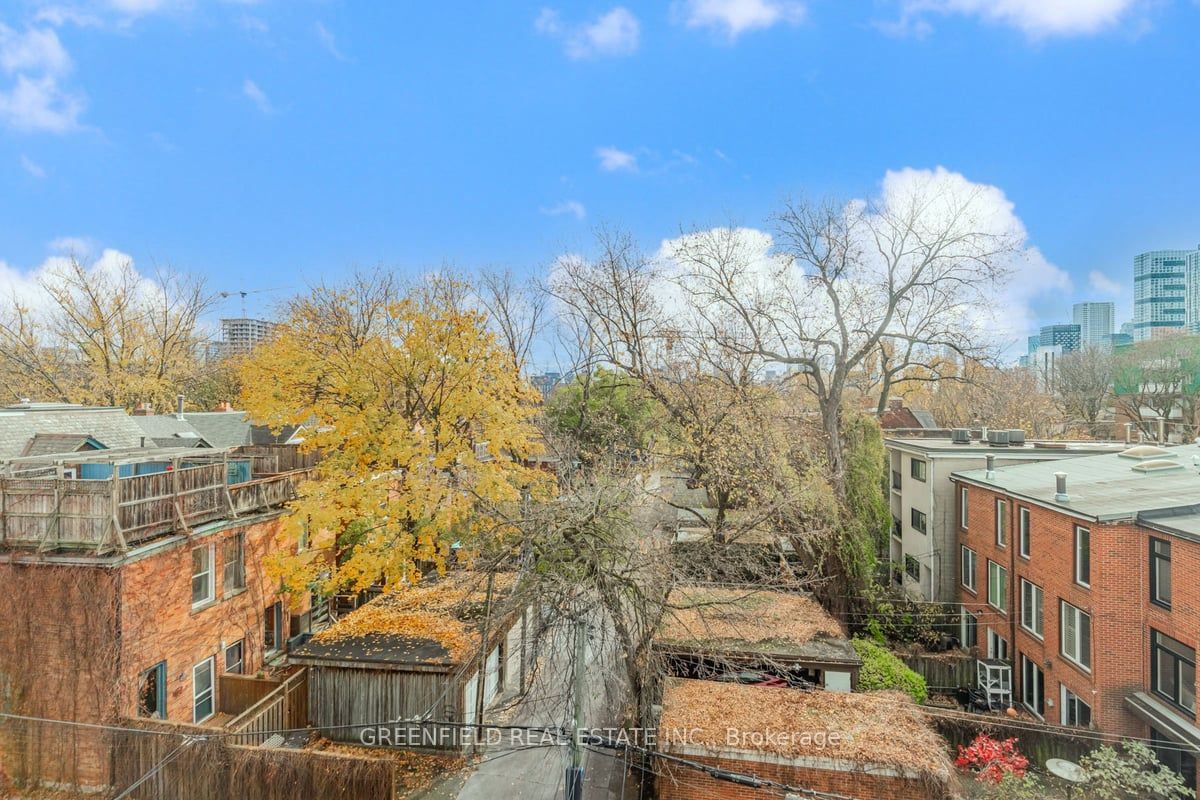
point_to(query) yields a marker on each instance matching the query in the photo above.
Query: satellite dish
(1067, 770)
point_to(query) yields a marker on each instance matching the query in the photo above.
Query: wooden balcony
(44, 507)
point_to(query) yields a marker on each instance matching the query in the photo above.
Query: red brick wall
(677, 782)
(1117, 600)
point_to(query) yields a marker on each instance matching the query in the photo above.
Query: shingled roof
(20, 424)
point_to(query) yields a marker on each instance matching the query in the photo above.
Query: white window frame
(1024, 532)
(1038, 617)
(1001, 522)
(208, 573)
(997, 646)
(963, 499)
(240, 644)
(235, 583)
(1064, 609)
(1003, 585)
(1039, 678)
(1064, 697)
(966, 554)
(209, 694)
(1075, 550)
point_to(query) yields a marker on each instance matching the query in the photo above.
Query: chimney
(1060, 488)
(225, 406)
(895, 403)
(143, 410)
(991, 467)
(1128, 433)
(179, 406)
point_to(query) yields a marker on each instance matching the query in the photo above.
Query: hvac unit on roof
(997, 438)
(1016, 438)
(960, 436)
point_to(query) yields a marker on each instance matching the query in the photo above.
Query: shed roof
(112, 427)
(46, 443)
(749, 621)
(873, 728)
(1106, 488)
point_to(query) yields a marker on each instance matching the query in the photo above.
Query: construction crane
(244, 292)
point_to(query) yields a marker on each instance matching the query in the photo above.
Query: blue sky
(273, 143)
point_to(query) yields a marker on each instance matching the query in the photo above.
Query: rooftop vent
(1060, 488)
(1145, 452)
(1159, 465)
(960, 436)
(997, 438)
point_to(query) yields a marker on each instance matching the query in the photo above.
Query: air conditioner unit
(998, 438)
(1016, 438)
(960, 436)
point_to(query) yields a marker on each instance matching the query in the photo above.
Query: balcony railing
(116, 513)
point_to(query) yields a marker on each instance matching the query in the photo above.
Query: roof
(20, 423)
(942, 445)
(743, 621)
(221, 428)
(1110, 487)
(47, 443)
(167, 427)
(438, 622)
(905, 417)
(872, 728)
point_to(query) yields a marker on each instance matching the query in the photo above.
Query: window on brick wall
(235, 657)
(968, 567)
(1076, 630)
(1002, 523)
(273, 627)
(202, 575)
(997, 646)
(152, 692)
(1033, 693)
(1160, 572)
(1083, 556)
(1173, 671)
(1031, 608)
(1023, 532)
(1073, 710)
(997, 586)
(203, 694)
(234, 558)
(963, 498)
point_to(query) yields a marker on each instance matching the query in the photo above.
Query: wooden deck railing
(284, 709)
(116, 513)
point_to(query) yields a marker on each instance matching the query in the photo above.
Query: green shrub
(882, 670)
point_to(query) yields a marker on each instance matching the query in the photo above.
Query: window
(918, 520)
(997, 646)
(1023, 532)
(1031, 608)
(234, 558)
(1173, 756)
(896, 480)
(970, 629)
(1032, 690)
(917, 469)
(152, 692)
(1083, 556)
(913, 568)
(1160, 572)
(202, 575)
(272, 627)
(896, 529)
(234, 657)
(962, 507)
(1074, 711)
(997, 586)
(969, 560)
(1173, 671)
(202, 691)
(1002, 523)
(1076, 629)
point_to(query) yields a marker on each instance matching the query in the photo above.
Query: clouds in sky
(34, 169)
(25, 285)
(327, 41)
(614, 159)
(257, 96)
(572, 208)
(732, 18)
(1035, 18)
(33, 65)
(616, 32)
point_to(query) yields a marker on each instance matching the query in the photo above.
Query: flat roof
(864, 728)
(720, 621)
(1032, 447)
(1109, 487)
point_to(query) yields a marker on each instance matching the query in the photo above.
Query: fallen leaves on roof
(706, 616)
(446, 610)
(883, 728)
(415, 771)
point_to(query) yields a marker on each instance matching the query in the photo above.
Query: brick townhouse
(131, 580)
(1079, 574)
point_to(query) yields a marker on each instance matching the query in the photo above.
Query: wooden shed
(417, 654)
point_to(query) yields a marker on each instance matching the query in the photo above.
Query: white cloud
(1036, 18)
(614, 33)
(732, 18)
(35, 50)
(1102, 284)
(78, 246)
(329, 42)
(613, 159)
(32, 167)
(572, 207)
(40, 104)
(25, 285)
(257, 96)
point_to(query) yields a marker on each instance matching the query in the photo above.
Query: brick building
(131, 580)
(1077, 574)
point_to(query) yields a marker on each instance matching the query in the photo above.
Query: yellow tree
(422, 420)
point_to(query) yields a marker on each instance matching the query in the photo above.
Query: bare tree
(516, 310)
(1083, 382)
(843, 280)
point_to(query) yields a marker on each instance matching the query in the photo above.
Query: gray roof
(169, 430)
(1032, 447)
(45, 443)
(112, 427)
(222, 428)
(1165, 484)
(216, 428)
(924, 417)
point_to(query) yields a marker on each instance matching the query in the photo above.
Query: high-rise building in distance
(1192, 301)
(1095, 321)
(1160, 293)
(1065, 337)
(239, 336)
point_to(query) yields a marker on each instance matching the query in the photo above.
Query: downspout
(1014, 541)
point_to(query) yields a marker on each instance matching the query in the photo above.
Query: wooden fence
(1036, 741)
(238, 692)
(285, 708)
(943, 672)
(268, 459)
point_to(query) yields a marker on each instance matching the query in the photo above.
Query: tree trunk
(835, 446)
